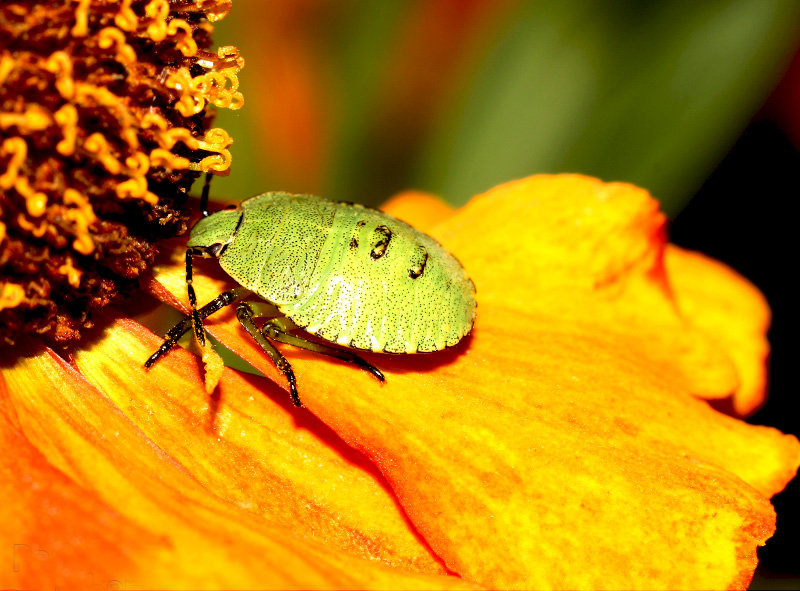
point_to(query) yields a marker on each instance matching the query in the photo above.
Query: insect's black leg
(197, 324)
(226, 298)
(245, 315)
(275, 329)
(204, 196)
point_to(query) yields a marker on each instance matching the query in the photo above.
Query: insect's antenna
(204, 196)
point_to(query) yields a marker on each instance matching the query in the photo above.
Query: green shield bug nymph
(353, 276)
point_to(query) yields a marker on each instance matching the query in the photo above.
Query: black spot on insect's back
(361, 224)
(382, 235)
(352, 204)
(418, 261)
(353, 243)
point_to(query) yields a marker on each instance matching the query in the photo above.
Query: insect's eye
(216, 249)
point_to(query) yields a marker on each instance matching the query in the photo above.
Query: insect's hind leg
(226, 298)
(275, 329)
(245, 313)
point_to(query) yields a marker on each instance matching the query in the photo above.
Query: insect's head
(217, 229)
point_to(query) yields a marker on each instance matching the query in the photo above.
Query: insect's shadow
(303, 419)
(21, 349)
(307, 421)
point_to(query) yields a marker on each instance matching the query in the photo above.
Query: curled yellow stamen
(81, 19)
(126, 19)
(35, 118)
(11, 295)
(157, 11)
(215, 140)
(221, 88)
(28, 226)
(165, 158)
(133, 187)
(185, 43)
(60, 64)
(81, 202)
(169, 137)
(97, 145)
(73, 274)
(67, 119)
(136, 186)
(154, 120)
(114, 37)
(18, 149)
(138, 164)
(188, 104)
(35, 201)
(82, 215)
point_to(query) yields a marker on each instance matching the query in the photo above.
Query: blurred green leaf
(651, 93)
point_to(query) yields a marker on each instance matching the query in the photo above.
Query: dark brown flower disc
(104, 125)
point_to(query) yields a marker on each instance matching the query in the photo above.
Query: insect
(353, 276)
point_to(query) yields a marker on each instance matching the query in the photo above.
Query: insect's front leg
(197, 323)
(226, 298)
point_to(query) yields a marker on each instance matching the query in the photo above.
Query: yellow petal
(565, 446)
(192, 538)
(731, 311)
(422, 210)
(252, 448)
(559, 445)
(575, 247)
(55, 533)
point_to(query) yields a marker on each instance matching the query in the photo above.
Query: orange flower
(561, 445)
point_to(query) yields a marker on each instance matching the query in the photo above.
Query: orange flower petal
(252, 448)
(44, 514)
(731, 311)
(558, 446)
(191, 537)
(567, 452)
(421, 210)
(579, 248)
(518, 445)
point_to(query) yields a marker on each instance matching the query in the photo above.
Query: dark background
(743, 216)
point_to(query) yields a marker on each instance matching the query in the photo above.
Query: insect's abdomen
(358, 277)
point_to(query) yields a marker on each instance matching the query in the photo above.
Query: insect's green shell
(351, 275)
